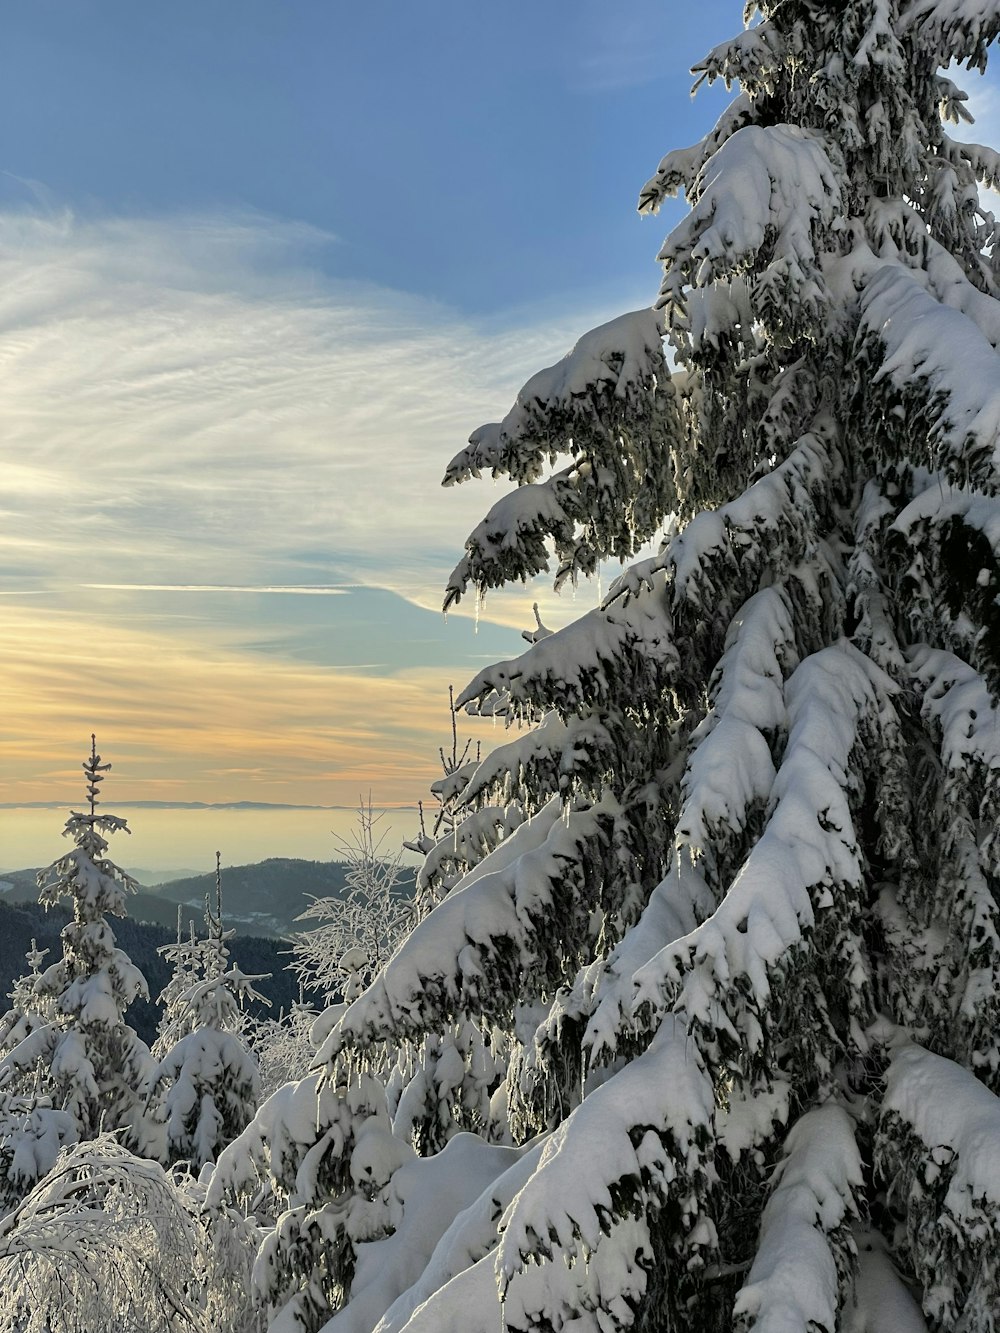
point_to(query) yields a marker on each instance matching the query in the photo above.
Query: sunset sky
(262, 269)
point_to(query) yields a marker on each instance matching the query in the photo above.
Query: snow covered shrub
(752, 852)
(111, 1241)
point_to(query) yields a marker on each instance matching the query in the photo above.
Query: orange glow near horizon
(183, 723)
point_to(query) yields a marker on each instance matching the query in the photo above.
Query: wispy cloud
(195, 418)
(187, 396)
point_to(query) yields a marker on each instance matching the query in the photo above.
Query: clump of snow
(805, 1245)
(923, 343)
(602, 1174)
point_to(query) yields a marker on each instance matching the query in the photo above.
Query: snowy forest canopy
(696, 1026)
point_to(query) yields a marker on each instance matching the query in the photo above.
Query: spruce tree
(207, 1085)
(95, 1066)
(742, 930)
(29, 1010)
(32, 1131)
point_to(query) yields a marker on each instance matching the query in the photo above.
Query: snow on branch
(611, 406)
(558, 757)
(511, 541)
(618, 365)
(730, 771)
(946, 551)
(723, 556)
(932, 363)
(763, 199)
(965, 718)
(462, 847)
(680, 169)
(805, 1251)
(774, 520)
(876, 629)
(481, 946)
(751, 58)
(638, 1141)
(610, 651)
(983, 161)
(936, 1146)
(676, 907)
(953, 30)
(948, 282)
(805, 865)
(957, 698)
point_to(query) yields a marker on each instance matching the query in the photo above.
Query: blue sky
(481, 156)
(263, 266)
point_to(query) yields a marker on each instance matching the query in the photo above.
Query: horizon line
(199, 805)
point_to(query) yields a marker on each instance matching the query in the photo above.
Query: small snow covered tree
(29, 1009)
(185, 954)
(97, 1067)
(207, 1085)
(317, 1158)
(742, 929)
(32, 1131)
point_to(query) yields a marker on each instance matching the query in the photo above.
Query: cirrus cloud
(193, 410)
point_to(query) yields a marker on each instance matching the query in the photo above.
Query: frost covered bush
(355, 933)
(281, 1046)
(111, 1241)
(730, 888)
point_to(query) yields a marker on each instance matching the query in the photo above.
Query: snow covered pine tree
(207, 1085)
(96, 1067)
(745, 934)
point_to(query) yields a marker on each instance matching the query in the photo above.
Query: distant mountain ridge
(260, 899)
(263, 898)
(260, 902)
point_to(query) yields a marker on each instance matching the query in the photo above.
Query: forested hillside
(22, 922)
